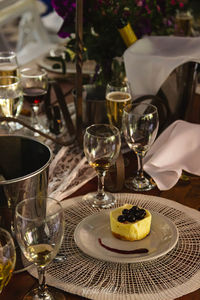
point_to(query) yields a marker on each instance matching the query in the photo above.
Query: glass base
(50, 294)
(10, 127)
(14, 126)
(60, 258)
(140, 184)
(107, 202)
(41, 128)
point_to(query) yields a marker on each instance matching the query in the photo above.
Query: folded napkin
(150, 60)
(33, 50)
(52, 22)
(176, 149)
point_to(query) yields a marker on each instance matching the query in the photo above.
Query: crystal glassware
(39, 228)
(140, 125)
(9, 64)
(11, 99)
(102, 144)
(118, 95)
(35, 87)
(7, 257)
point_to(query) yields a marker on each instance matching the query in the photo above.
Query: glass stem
(140, 171)
(42, 281)
(100, 191)
(35, 109)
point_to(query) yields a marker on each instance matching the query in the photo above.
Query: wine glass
(140, 125)
(7, 257)
(35, 86)
(39, 227)
(118, 95)
(11, 99)
(102, 144)
(9, 64)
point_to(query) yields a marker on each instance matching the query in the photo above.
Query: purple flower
(66, 9)
(100, 19)
(63, 7)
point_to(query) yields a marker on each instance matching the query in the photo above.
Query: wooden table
(185, 192)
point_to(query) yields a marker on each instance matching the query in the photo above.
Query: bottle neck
(127, 34)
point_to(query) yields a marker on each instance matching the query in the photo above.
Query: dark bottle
(126, 32)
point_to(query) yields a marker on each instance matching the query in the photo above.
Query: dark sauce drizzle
(136, 251)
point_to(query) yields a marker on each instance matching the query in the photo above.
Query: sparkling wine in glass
(118, 95)
(39, 230)
(7, 257)
(140, 125)
(9, 64)
(35, 86)
(11, 98)
(102, 144)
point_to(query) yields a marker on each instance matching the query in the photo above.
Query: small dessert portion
(130, 222)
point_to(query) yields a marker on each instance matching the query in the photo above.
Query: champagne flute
(39, 227)
(102, 144)
(140, 125)
(7, 257)
(118, 95)
(11, 98)
(9, 64)
(35, 86)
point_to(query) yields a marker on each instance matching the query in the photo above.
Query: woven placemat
(168, 277)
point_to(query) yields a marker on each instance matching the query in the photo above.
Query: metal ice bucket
(24, 168)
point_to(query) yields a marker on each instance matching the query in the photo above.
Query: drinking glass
(118, 95)
(183, 23)
(9, 64)
(39, 227)
(140, 125)
(7, 257)
(35, 86)
(11, 99)
(102, 144)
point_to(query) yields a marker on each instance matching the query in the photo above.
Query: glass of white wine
(11, 99)
(118, 95)
(39, 228)
(7, 257)
(8, 64)
(140, 125)
(102, 144)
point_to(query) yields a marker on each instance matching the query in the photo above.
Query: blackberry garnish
(125, 211)
(121, 218)
(134, 208)
(130, 218)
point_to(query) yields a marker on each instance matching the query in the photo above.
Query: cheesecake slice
(130, 222)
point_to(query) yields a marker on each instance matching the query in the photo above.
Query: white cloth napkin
(32, 51)
(176, 149)
(52, 22)
(150, 60)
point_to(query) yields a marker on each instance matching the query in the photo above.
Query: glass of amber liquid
(9, 64)
(11, 100)
(102, 144)
(7, 257)
(118, 95)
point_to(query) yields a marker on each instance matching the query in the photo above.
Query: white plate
(87, 69)
(162, 238)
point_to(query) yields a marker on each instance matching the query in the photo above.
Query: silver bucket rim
(3, 182)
